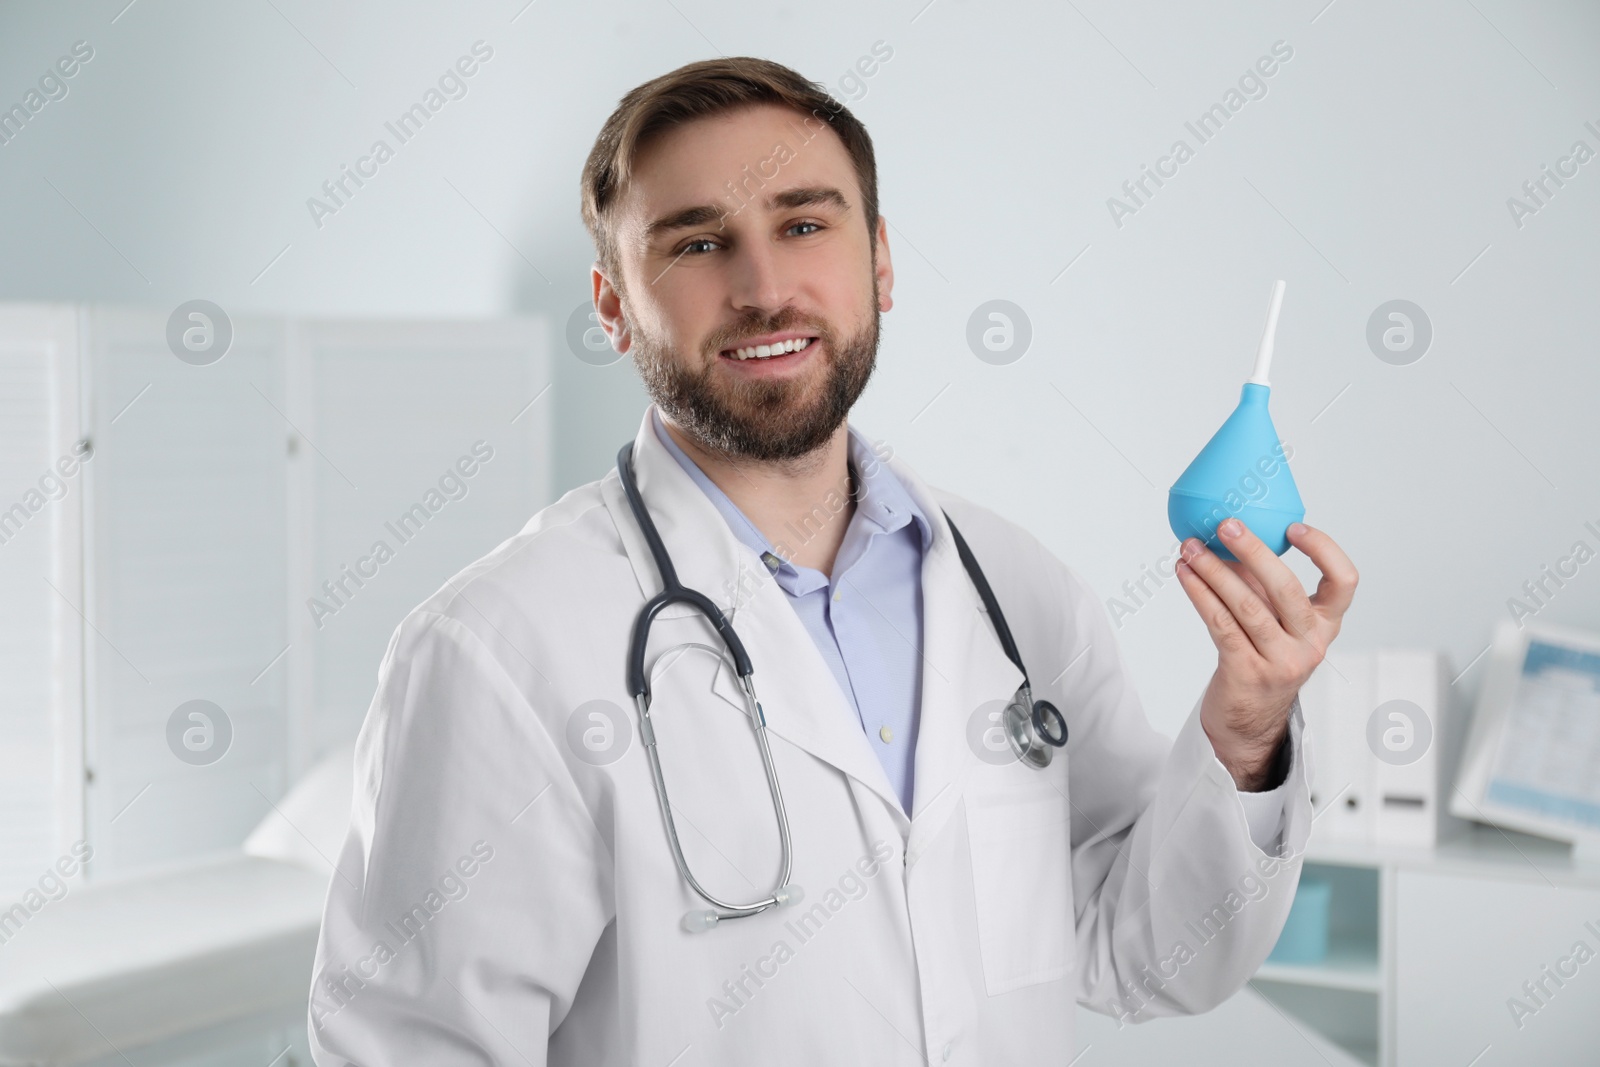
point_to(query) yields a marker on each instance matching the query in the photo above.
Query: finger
(1283, 590)
(1337, 586)
(1244, 572)
(1251, 612)
(1226, 633)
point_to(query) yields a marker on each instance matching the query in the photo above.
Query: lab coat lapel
(797, 690)
(963, 670)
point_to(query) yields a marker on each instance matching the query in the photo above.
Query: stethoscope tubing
(1037, 746)
(674, 592)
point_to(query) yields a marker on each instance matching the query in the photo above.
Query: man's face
(738, 231)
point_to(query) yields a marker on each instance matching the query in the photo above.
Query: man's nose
(760, 279)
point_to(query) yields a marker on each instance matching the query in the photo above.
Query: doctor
(508, 893)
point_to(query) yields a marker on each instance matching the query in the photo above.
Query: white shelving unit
(1426, 946)
(1350, 965)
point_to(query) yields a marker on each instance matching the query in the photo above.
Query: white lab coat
(501, 900)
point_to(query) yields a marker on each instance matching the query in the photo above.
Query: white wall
(1377, 166)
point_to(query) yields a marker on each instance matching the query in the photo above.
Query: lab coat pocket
(1020, 837)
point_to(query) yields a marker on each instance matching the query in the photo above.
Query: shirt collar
(882, 502)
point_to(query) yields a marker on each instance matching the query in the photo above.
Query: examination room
(683, 533)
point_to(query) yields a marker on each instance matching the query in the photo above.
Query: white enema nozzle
(1264, 353)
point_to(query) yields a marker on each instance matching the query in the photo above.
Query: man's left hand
(1269, 635)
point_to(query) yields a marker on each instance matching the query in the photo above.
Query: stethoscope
(1034, 728)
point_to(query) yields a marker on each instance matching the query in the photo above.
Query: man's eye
(796, 226)
(688, 249)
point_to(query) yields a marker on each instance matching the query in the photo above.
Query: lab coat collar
(963, 666)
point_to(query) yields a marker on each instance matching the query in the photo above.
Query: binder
(1387, 734)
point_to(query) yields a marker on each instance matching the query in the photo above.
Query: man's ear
(885, 269)
(608, 310)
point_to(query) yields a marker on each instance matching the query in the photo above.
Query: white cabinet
(1481, 962)
(1427, 948)
(185, 572)
(177, 564)
(41, 586)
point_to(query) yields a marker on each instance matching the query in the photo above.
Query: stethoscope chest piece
(1034, 728)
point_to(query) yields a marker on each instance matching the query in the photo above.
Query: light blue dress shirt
(867, 620)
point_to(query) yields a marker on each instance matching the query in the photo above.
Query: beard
(758, 419)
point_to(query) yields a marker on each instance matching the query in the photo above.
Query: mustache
(731, 335)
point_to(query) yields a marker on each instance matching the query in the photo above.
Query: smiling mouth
(782, 348)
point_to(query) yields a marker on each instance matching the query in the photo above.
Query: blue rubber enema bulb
(1243, 471)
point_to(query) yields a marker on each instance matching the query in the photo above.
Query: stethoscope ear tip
(698, 922)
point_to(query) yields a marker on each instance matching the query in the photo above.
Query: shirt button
(886, 733)
(949, 1048)
(837, 593)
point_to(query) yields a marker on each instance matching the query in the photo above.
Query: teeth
(763, 351)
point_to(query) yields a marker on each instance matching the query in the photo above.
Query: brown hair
(698, 90)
